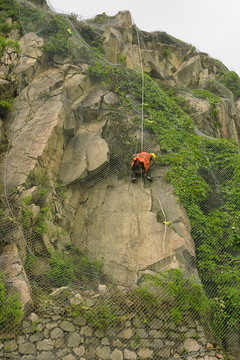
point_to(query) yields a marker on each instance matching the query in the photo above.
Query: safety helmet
(153, 155)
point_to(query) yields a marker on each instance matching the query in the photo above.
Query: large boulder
(86, 155)
(189, 72)
(33, 138)
(32, 55)
(225, 125)
(118, 221)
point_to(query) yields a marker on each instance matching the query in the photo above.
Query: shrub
(171, 295)
(10, 309)
(30, 262)
(27, 200)
(7, 9)
(41, 226)
(232, 81)
(60, 42)
(32, 18)
(102, 315)
(5, 106)
(35, 178)
(72, 267)
(27, 217)
(58, 45)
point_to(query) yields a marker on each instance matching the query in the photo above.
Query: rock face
(58, 127)
(118, 222)
(15, 275)
(86, 154)
(192, 70)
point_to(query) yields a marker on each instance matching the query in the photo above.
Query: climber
(141, 162)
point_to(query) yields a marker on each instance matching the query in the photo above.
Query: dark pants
(137, 169)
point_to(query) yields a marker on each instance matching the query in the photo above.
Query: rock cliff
(63, 128)
(58, 127)
(117, 220)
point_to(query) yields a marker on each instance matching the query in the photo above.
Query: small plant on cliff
(8, 9)
(31, 18)
(60, 42)
(27, 200)
(102, 315)
(10, 309)
(4, 44)
(36, 178)
(5, 106)
(73, 266)
(41, 227)
(232, 81)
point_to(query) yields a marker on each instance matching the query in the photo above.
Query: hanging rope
(142, 118)
(141, 65)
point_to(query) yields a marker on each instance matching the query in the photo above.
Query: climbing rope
(141, 65)
(142, 120)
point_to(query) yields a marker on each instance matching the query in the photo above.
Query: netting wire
(56, 309)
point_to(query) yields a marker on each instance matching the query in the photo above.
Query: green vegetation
(166, 53)
(221, 67)
(31, 18)
(103, 315)
(5, 106)
(172, 297)
(36, 178)
(30, 262)
(41, 226)
(37, 223)
(59, 45)
(61, 39)
(205, 175)
(8, 44)
(10, 309)
(60, 42)
(30, 222)
(91, 37)
(168, 296)
(72, 267)
(27, 200)
(232, 81)
(7, 10)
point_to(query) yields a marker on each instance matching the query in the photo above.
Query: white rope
(141, 65)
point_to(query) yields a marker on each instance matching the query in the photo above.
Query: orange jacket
(143, 159)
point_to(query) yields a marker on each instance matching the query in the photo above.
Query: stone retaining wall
(54, 335)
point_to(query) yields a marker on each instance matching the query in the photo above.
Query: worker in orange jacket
(141, 162)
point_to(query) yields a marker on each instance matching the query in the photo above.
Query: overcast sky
(212, 26)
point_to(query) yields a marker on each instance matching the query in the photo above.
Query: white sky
(212, 26)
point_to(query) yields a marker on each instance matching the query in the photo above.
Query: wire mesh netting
(93, 266)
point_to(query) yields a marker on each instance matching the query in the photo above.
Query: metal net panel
(73, 229)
